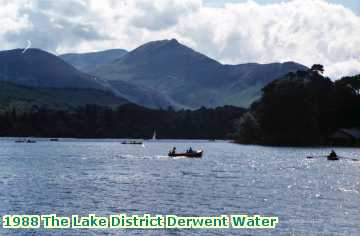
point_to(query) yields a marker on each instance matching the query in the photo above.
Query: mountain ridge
(158, 74)
(190, 78)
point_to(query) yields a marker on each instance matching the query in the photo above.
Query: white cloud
(161, 14)
(10, 21)
(305, 31)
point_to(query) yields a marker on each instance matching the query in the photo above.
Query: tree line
(127, 121)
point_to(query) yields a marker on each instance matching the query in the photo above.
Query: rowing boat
(195, 154)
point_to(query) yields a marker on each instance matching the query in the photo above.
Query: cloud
(47, 24)
(305, 31)
(161, 14)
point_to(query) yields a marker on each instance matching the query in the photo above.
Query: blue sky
(352, 4)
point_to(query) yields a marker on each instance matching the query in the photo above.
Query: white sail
(154, 136)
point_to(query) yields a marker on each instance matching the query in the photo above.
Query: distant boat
(54, 139)
(195, 154)
(20, 141)
(154, 136)
(25, 141)
(132, 143)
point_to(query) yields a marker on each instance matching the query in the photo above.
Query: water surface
(310, 196)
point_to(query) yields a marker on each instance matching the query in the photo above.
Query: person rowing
(173, 151)
(333, 156)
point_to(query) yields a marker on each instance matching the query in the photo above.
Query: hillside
(87, 62)
(23, 98)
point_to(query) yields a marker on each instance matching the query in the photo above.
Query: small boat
(132, 143)
(195, 154)
(54, 140)
(25, 141)
(329, 158)
(20, 141)
(333, 157)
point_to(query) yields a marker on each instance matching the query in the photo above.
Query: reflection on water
(310, 196)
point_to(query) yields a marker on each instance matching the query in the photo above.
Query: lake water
(310, 196)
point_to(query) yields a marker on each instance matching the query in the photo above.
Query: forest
(301, 109)
(126, 121)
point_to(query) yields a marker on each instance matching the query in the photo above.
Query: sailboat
(154, 136)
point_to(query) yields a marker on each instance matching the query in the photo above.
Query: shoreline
(169, 140)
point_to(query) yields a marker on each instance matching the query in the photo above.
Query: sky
(230, 31)
(354, 5)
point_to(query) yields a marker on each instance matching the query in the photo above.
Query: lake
(310, 196)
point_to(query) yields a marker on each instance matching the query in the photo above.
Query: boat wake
(170, 158)
(158, 157)
(349, 190)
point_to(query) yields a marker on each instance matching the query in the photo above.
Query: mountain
(38, 77)
(37, 68)
(156, 75)
(23, 97)
(191, 79)
(87, 62)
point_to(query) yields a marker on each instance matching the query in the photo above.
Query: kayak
(333, 158)
(196, 154)
(329, 158)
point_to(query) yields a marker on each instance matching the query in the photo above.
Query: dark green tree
(247, 129)
(318, 68)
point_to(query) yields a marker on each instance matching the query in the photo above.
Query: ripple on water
(81, 177)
